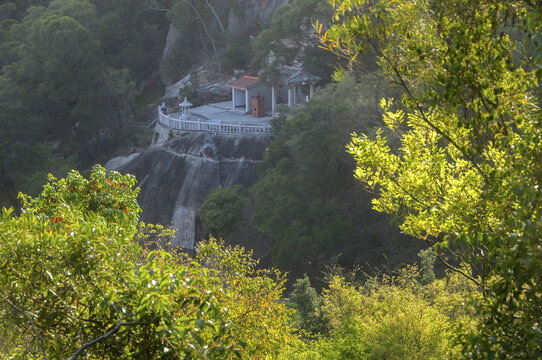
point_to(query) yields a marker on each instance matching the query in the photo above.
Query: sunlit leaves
(72, 272)
(468, 164)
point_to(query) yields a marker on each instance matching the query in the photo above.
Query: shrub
(222, 210)
(389, 317)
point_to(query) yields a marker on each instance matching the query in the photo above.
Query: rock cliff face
(176, 177)
(251, 14)
(238, 17)
(166, 73)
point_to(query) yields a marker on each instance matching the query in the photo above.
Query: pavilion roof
(245, 82)
(185, 103)
(300, 77)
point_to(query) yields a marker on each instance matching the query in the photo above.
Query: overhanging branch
(102, 337)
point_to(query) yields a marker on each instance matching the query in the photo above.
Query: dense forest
(76, 74)
(432, 118)
(70, 72)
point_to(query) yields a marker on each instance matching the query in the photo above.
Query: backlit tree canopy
(467, 173)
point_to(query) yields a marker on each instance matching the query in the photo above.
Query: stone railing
(209, 125)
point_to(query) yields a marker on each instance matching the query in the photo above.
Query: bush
(308, 304)
(236, 57)
(389, 317)
(222, 210)
(74, 281)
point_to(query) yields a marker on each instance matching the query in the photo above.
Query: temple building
(249, 95)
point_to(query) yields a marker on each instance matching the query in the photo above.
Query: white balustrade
(198, 125)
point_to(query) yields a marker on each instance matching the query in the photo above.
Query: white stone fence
(201, 125)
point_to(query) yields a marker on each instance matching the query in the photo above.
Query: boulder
(173, 90)
(175, 178)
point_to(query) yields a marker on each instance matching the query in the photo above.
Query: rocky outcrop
(176, 177)
(251, 14)
(167, 71)
(240, 17)
(217, 91)
(172, 91)
(205, 83)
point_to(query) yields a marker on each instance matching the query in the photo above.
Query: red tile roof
(245, 82)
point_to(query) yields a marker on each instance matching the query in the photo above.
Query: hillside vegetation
(443, 132)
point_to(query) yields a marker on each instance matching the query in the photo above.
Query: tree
(74, 282)
(308, 305)
(222, 209)
(253, 298)
(57, 86)
(466, 175)
(303, 225)
(387, 316)
(292, 23)
(304, 203)
(187, 16)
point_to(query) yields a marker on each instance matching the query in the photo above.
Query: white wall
(239, 97)
(263, 91)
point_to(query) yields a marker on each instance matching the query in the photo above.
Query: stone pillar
(247, 103)
(233, 98)
(294, 97)
(273, 99)
(289, 96)
(311, 86)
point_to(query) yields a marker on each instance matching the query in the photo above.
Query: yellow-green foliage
(466, 175)
(390, 317)
(254, 299)
(74, 282)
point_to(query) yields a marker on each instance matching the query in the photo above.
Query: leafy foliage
(389, 317)
(73, 281)
(467, 173)
(308, 306)
(237, 54)
(291, 37)
(222, 209)
(67, 69)
(257, 313)
(304, 202)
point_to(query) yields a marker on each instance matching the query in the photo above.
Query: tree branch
(207, 32)
(433, 126)
(215, 15)
(450, 266)
(102, 337)
(28, 319)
